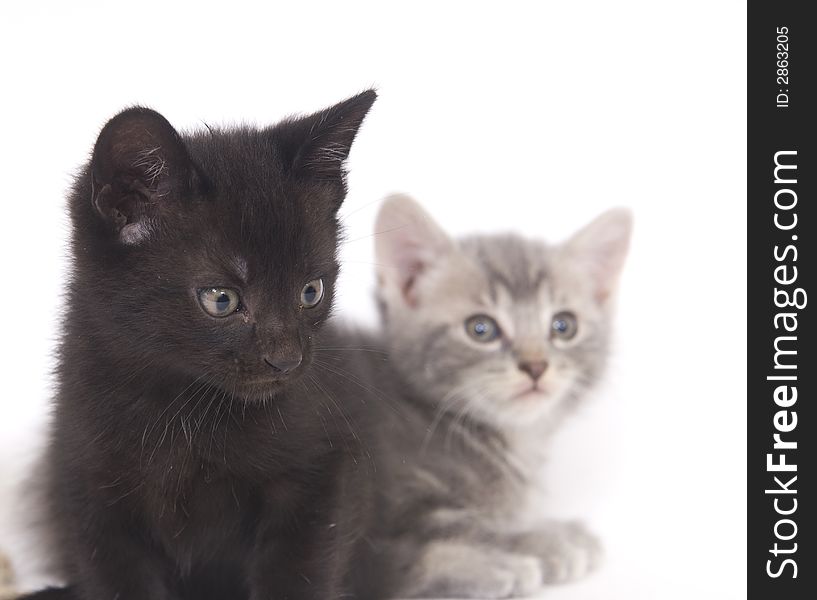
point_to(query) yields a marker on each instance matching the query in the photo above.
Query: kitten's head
(212, 254)
(504, 329)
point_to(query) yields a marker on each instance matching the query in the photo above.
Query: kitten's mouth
(265, 387)
(535, 392)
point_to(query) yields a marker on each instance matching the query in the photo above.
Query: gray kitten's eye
(482, 328)
(219, 302)
(564, 326)
(312, 293)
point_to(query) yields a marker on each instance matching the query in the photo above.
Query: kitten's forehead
(511, 265)
(264, 219)
(236, 150)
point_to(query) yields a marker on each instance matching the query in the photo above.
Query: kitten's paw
(476, 572)
(516, 576)
(570, 552)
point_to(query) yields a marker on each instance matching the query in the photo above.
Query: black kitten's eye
(564, 326)
(219, 302)
(482, 328)
(312, 293)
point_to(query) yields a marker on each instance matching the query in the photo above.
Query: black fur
(182, 465)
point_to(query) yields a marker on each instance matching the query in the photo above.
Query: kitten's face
(241, 285)
(497, 328)
(217, 259)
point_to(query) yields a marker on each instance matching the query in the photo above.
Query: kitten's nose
(283, 364)
(534, 368)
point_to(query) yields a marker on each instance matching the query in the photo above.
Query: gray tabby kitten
(491, 341)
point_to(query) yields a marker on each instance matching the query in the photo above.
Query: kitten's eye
(564, 326)
(312, 293)
(482, 328)
(219, 302)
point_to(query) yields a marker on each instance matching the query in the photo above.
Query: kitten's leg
(303, 554)
(566, 550)
(110, 561)
(459, 569)
(300, 563)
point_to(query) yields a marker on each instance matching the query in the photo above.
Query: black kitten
(191, 456)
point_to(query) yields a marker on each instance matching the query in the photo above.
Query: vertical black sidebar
(782, 363)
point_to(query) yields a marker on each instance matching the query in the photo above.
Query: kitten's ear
(317, 145)
(599, 249)
(407, 243)
(139, 166)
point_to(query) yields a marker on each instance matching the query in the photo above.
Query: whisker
(343, 416)
(451, 398)
(359, 208)
(351, 378)
(172, 419)
(149, 429)
(320, 416)
(371, 235)
(355, 349)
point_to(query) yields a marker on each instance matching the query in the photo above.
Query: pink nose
(534, 368)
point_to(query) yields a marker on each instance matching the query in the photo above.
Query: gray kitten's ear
(140, 167)
(407, 243)
(599, 249)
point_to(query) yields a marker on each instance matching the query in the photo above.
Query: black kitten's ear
(318, 144)
(140, 165)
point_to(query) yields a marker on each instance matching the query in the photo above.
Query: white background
(531, 117)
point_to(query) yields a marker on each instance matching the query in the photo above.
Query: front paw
(461, 570)
(568, 551)
(517, 576)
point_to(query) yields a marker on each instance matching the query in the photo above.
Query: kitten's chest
(200, 514)
(217, 520)
(210, 512)
(507, 481)
(195, 505)
(526, 498)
